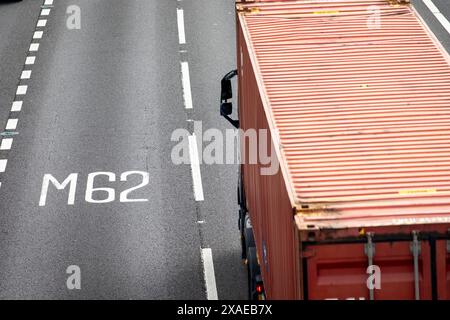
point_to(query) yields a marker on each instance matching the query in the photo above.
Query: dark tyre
(242, 216)
(248, 233)
(253, 273)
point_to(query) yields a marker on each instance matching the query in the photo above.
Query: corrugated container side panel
(267, 198)
(360, 111)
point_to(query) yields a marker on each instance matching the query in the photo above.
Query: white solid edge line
(3, 163)
(186, 79)
(181, 30)
(210, 277)
(6, 144)
(441, 18)
(431, 6)
(26, 74)
(195, 168)
(34, 47)
(17, 106)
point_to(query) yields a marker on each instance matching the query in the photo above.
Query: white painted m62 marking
(90, 187)
(145, 181)
(71, 179)
(91, 190)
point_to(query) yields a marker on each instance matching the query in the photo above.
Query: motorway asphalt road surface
(107, 98)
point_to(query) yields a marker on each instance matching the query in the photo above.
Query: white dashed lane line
(42, 23)
(26, 74)
(12, 124)
(30, 60)
(186, 79)
(22, 88)
(210, 277)
(16, 106)
(3, 163)
(195, 168)
(6, 144)
(38, 34)
(180, 22)
(206, 253)
(45, 12)
(34, 47)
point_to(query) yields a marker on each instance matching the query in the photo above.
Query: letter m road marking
(71, 179)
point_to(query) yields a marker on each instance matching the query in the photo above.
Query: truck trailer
(355, 95)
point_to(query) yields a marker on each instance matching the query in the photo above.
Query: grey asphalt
(107, 98)
(17, 22)
(211, 46)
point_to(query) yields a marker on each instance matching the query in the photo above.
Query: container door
(341, 271)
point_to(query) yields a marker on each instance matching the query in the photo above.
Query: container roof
(359, 94)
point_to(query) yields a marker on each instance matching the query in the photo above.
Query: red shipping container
(356, 96)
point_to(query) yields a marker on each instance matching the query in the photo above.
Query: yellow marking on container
(327, 12)
(417, 191)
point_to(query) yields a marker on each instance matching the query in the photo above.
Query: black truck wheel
(254, 274)
(248, 233)
(242, 216)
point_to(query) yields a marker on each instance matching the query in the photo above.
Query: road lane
(107, 98)
(211, 54)
(103, 98)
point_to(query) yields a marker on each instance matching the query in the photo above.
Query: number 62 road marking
(71, 183)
